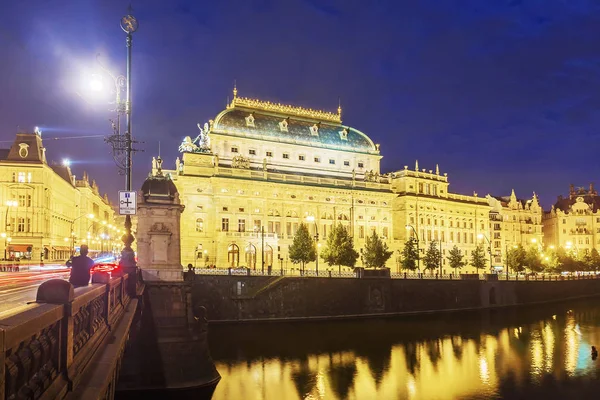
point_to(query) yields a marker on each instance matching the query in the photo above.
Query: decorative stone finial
(417, 165)
(234, 90)
(437, 169)
(159, 162)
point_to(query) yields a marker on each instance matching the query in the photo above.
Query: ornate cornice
(286, 109)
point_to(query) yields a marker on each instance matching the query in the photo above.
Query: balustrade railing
(46, 348)
(334, 273)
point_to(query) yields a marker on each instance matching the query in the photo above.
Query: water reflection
(508, 353)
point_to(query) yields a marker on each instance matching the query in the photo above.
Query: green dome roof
(274, 122)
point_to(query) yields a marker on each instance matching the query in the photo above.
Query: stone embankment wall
(238, 298)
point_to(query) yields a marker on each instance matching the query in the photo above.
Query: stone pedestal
(158, 232)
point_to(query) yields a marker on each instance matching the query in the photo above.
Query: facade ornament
(371, 176)
(417, 165)
(201, 144)
(240, 162)
(314, 130)
(264, 164)
(153, 163)
(437, 169)
(177, 164)
(283, 125)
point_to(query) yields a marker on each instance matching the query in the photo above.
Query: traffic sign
(127, 202)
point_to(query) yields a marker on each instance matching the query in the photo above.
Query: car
(106, 267)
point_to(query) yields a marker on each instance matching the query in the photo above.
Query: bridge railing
(47, 348)
(335, 273)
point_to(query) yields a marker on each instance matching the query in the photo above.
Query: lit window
(21, 177)
(234, 149)
(332, 161)
(317, 159)
(241, 225)
(199, 225)
(286, 156)
(225, 224)
(361, 165)
(29, 177)
(301, 158)
(346, 163)
(252, 152)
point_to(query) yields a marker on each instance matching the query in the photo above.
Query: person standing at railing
(80, 271)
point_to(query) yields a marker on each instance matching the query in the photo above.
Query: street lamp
(481, 236)
(90, 216)
(408, 227)
(311, 218)
(9, 204)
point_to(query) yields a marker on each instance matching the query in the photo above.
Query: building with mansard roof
(260, 169)
(44, 209)
(574, 221)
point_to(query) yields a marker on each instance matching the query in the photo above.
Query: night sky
(501, 94)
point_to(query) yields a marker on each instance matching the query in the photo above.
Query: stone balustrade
(49, 348)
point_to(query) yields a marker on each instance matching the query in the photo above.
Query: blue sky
(500, 94)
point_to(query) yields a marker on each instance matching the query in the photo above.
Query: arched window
(233, 255)
(291, 214)
(199, 225)
(251, 256)
(343, 217)
(327, 215)
(273, 213)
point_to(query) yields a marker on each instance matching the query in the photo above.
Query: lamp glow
(96, 84)
(66, 162)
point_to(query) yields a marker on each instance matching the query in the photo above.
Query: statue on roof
(201, 144)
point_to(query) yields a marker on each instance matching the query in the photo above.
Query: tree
(456, 259)
(432, 257)
(340, 248)
(533, 260)
(410, 254)
(302, 249)
(594, 260)
(375, 253)
(516, 258)
(478, 257)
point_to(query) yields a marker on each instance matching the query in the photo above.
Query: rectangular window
(564, 221)
(361, 165)
(317, 159)
(442, 222)
(346, 163)
(420, 188)
(429, 236)
(443, 237)
(301, 158)
(278, 227)
(21, 177)
(14, 176)
(451, 236)
(435, 235)
(451, 224)
(288, 229)
(29, 177)
(241, 209)
(412, 220)
(225, 224)
(252, 152)
(472, 238)
(225, 208)
(465, 237)
(257, 225)
(241, 225)
(361, 232)
(428, 221)
(21, 225)
(22, 200)
(270, 227)
(332, 161)
(458, 237)
(385, 232)
(286, 156)
(269, 154)
(234, 149)
(29, 202)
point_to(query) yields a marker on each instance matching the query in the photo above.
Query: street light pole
(129, 24)
(262, 250)
(9, 204)
(311, 218)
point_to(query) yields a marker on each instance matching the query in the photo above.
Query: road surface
(19, 288)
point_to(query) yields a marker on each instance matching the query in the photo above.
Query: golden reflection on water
(449, 367)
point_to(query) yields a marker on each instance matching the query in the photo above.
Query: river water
(542, 352)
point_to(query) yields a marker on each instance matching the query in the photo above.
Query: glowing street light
(66, 162)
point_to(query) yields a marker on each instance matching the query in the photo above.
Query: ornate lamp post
(90, 216)
(9, 204)
(129, 24)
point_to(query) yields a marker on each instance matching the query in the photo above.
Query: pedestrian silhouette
(80, 271)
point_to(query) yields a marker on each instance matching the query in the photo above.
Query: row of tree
(339, 249)
(517, 259)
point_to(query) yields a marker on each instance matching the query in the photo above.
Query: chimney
(571, 190)
(592, 193)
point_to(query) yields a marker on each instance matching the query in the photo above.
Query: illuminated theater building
(259, 170)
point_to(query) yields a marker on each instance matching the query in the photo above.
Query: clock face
(129, 24)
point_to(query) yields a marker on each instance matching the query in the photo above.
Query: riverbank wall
(262, 298)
